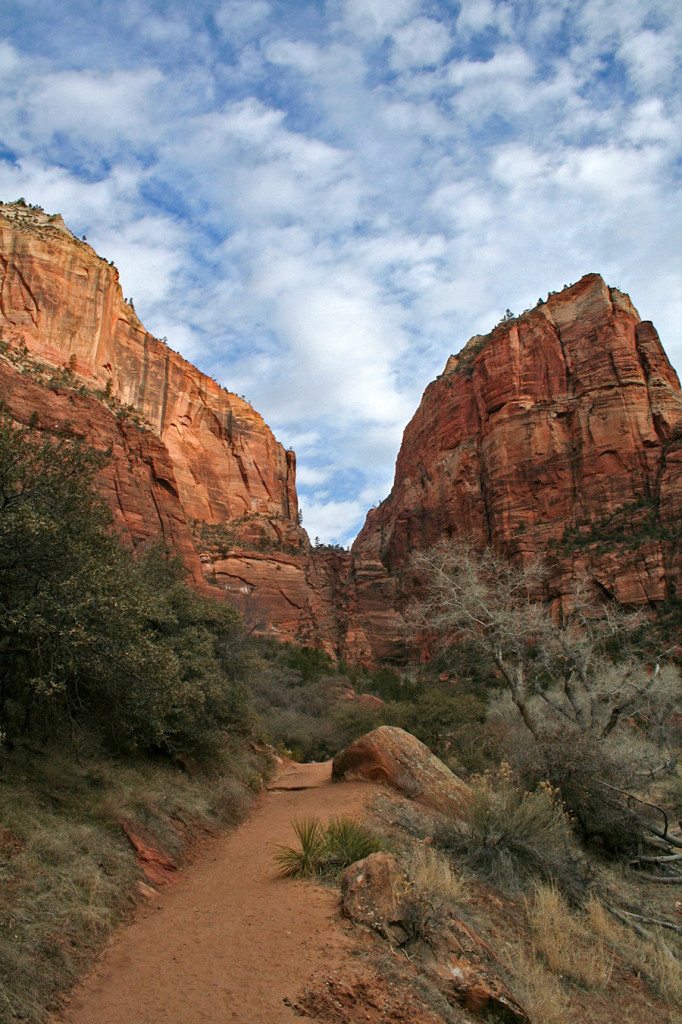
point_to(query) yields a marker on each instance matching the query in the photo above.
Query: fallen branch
(666, 858)
(665, 836)
(659, 924)
(642, 932)
(662, 879)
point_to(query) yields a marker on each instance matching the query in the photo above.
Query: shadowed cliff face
(191, 462)
(559, 434)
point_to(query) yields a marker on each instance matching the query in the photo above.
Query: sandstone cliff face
(560, 433)
(191, 462)
(64, 302)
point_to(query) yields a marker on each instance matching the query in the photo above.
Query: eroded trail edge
(230, 941)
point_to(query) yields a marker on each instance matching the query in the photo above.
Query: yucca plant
(326, 850)
(304, 862)
(347, 841)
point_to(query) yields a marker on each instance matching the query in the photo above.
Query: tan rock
(375, 892)
(398, 759)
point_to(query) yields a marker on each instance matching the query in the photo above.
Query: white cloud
(475, 15)
(378, 18)
(90, 105)
(650, 56)
(421, 42)
(335, 520)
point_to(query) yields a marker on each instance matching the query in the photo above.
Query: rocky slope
(192, 462)
(560, 434)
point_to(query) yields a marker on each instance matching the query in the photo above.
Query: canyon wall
(558, 434)
(191, 462)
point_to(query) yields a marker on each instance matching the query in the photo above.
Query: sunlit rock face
(558, 434)
(192, 463)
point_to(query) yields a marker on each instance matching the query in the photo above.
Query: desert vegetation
(123, 702)
(580, 708)
(325, 850)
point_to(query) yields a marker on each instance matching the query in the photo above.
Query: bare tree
(573, 675)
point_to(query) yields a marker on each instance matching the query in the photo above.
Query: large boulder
(375, 893)
(400, 760)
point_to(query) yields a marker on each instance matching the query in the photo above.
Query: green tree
(92, 636)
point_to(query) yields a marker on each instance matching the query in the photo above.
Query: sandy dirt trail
(230, 942)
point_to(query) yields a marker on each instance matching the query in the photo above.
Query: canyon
(559, 434)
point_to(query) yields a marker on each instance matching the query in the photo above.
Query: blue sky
(318, 202)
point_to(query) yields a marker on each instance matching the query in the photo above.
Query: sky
(318, 202)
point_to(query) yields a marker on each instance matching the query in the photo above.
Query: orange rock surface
(192, 462)
(560, 434)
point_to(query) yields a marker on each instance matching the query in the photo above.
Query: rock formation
(192, 462)
(558, 434)
(398, 759)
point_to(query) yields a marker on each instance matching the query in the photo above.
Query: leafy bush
(310, 662)
(90, 636)
(510, 835)
(326, 850)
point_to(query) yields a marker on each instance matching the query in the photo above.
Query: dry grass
(434, 878)
(67, 872)
(652, 958)
(539, 992)
(567, 945)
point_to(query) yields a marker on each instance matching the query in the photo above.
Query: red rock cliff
(192, 463)
(64, 302)
(559, 433)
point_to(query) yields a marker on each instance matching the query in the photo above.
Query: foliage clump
(509, 835)
(92, 637)
(326, 850)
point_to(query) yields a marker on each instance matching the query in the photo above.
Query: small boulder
(478, 990)
(375, 892)
(400, 760)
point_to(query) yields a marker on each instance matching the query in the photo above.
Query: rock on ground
(400, 760)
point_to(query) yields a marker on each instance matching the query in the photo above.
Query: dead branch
(659, 924)
(662, 879)
(665, 858)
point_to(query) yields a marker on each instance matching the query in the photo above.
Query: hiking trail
(230, 942)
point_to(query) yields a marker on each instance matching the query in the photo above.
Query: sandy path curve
(230, 942)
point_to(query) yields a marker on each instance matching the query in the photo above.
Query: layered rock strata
(558, 434)
(191, 462)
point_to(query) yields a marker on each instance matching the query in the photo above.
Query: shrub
(593, 778)
(326, 850)
(510, 835)
(92, 637)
